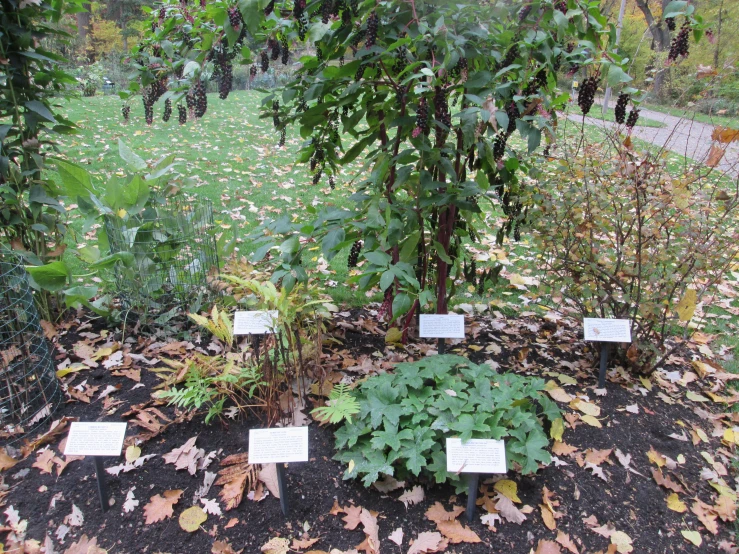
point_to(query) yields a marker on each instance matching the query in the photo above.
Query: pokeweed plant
(426, 92)
(405, 416)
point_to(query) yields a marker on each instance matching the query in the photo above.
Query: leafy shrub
(623, 238)
(210, 381)
(404, 418)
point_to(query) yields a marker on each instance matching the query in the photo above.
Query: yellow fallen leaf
(585, 407)
(548, 517)
(622, 542)
(132, 453)
(692, 536)
(557, 430)
(474, 347)
(590, 420)
(560, 395)
(394, 336)
(646, 383)
(516, 280)
(71, 369)
(686, 307)
(695, 397)
(509, 489)
(656, 458)
(675, 504)
(192, 518)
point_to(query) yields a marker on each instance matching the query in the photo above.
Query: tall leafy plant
(32, 220)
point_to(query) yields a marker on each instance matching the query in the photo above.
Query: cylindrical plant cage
(174, 253)
(29, 389)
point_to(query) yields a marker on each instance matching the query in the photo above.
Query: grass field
(233, 159)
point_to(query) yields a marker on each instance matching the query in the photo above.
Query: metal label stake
(441, 346)
(102, 486)
(604, 348)
(473, 479)
(281, 487)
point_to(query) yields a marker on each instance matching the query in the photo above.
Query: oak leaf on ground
(85, 546)
(706, 515)
(276, 545)
(565, 540)
(428, 542)
(413, 496)
(666, 482)
(456, 533)
(547, 547)
(507, 509)
(161, 507)
(437, 513)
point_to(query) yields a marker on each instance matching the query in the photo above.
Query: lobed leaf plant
(405, 416)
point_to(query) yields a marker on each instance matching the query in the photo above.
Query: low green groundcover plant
(405, 417)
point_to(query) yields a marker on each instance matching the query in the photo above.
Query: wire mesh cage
(29, 389)
(174, 252)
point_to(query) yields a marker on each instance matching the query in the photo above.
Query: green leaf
(378, 257)
(616, 76)
(386, 280)
(130, 157)
(52, 277)
(76, 180)
(441, 253)
(401, 304)
(126, 258)
(40, 109)
(674, 8)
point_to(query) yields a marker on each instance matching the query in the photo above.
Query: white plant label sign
(476, 456)
(436, 326)
(287, 444)
(95, 439)
(607, 330)
(260, 322)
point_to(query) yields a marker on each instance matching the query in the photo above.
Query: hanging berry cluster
(317, 162)
(513, 114)
(253, 71)
(167, 110)
(264, 59)
(150, 95)
(422, 119)
(586, 95)
(274, 47)
(373, 23)
(199, 98)
(509, 58)
(234, 17)
(270, 8)
(633, 117)
(670, 21)
(181, 114)
(225, 75)
(126, 111)
(442, 114)
(525, 11)
(354, 254)
(620, 111)
(285, 49)
(459, 71)
(680, 44)
(538, 82)
(300, 17)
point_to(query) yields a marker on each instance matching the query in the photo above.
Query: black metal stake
(102, 487)
(281, 488)
(472, 481)
(604, 346)
(441, 346)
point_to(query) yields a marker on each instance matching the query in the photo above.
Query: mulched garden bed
(673, 427)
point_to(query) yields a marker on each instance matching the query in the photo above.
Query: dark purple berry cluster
(225, 76)
(200, 100)
(234, 17)
(670, 23)
(422, 118)
(441, 107)
(633, 117)
(270, 8)
(373, 23)
(586, 95)
(509, 57)
(524, 13)
(285, 49)
(620, 111)
(126, 111)
(561, 5)
(167, 110)
(354, 254)
(513, 114)
(680, 44)
(327, 7)
(253, 71)
(274, 47)
(499, 145)
(264, 61)
(181, 114)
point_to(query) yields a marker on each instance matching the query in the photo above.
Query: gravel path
(682, 136)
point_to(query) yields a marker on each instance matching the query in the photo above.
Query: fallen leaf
(675, 504)
(276, 545)
(268, 476)
(597, 457)
(693, 537)
(705, 515)
(85, 546)
(547, 547)
(588, 408)
(211, 507)
(564, 540)
(437, 513)
(428, 542)
(235, 476)
(590, 420)
(388, 484)
(686, 307)
(303, 544)
(622, 542)
(75, 519)
(6, 462)
(413, 496)
(131, 503)
(456, 533)
(45, 461)
(222, 547)
(161, 507)
(666, 482)
(185, 457)
(396, 536)
(508, 510)
(656, 458)
(508, 488)
(724, 135)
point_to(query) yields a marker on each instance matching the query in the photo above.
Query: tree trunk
(83, 26)
(718, 35)
(661, 43)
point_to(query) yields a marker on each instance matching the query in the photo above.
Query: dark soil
(630, 502)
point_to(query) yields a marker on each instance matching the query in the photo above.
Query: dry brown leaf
(456, 533)
(656, 458)
(597, 457)
(185, 457)
(276, 545)
(508, 510)
(560, 395)
(396, 536)
(222, 547)
(57, 427)
(231, 523)
(6, 462)
(437, 513)
(371, 543)
(161, 507)
(303, 543)
(715, 155)
(564, 540)
(725, 135)
(705, 515)
(268, 476)
(547, 547)
(388, 484)
(725, 508)
(236, 475)
(666, 482)
(548, 516)
(352, 516)
(563, 449)
(413, 496)
(428, 542)
(85, 546)
(45, 461)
